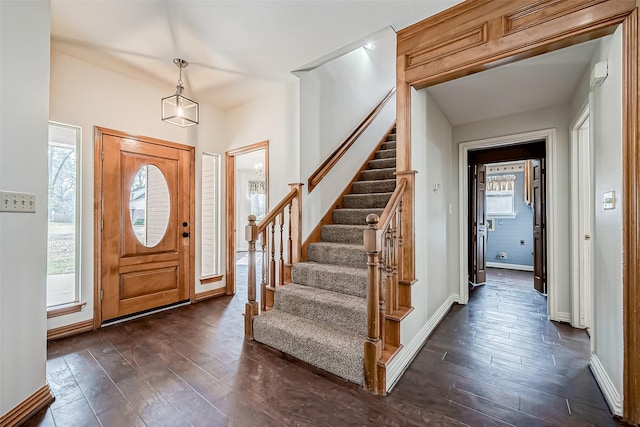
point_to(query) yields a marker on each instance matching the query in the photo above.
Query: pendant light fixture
(177, 109)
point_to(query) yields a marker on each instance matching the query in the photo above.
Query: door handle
(185, 234)
(587, 237)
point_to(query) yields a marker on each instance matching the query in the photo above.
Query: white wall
(334, 98)
(272, 117)
(435, 227)
(24, 112)
(85, 95)
(605, 111)
(557, 117)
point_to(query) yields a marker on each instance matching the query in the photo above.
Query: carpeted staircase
(321, 316)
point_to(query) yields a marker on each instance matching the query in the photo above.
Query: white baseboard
(510, 266)
(456, 298)
(609, 391)
(564, 317)
(403, 359)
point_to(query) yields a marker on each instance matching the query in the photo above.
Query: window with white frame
(210, 228)
(500, 197)
(63, 212)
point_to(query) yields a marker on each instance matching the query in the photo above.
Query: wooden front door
(539, 227)
(146, 223)
(478, 264)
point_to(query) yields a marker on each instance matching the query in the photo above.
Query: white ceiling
(236, 48)
(542, 81)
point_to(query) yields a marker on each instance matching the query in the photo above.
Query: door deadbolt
(184, 224)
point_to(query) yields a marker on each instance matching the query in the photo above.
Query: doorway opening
(512, 213)
(247, 194)
(538, 145)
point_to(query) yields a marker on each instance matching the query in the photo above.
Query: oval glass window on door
(149, 205)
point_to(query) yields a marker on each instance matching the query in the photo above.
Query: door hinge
(102, 155)
(102, 224)
(101, 294)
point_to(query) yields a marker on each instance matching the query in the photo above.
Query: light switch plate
(10, 201)
(609, 200)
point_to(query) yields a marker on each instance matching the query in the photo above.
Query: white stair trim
(605, 383)
(407, 353)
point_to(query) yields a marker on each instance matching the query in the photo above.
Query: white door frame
(549, 135)
(581, 223)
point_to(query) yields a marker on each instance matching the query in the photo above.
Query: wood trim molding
(68, 330)
(201, 296)
(28, 407)
(230, 195)
(341, 150)
(631, 217)
(517, 30)
(211, 279)
(65, 309)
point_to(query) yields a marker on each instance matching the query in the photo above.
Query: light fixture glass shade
(181, 111)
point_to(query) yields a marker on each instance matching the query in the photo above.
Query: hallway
(494, 362)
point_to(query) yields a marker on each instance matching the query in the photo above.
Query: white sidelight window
(210, 227)
(63, 250)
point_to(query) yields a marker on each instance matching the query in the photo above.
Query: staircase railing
(332, 159)
(270, 235)
(383, 243)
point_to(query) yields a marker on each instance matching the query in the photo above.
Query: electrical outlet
(11, 201)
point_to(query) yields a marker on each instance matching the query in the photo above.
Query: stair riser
(363, 201)
(349, 235)
(339, 256)
(348, 365)
(353, 217)
(331, 280)
(388, 146)
(374, 174)
(382, 163)
(385, 154)
(350, 319)
(391, 137)
(379, 186)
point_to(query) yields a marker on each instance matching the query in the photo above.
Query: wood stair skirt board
(68, 330)
(321, 317)
(28, 407)
(611, 395)
(397, 366)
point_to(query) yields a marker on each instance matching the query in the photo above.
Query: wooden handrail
(330, 162)
(273, 213)
(392, 206)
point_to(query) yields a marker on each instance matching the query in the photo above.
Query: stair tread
(346, 226)
(330, 308)
(338, 278)
(329, 348)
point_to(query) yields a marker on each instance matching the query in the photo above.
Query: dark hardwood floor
(495, 362)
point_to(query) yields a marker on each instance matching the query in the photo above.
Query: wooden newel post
(373, 344)
(251, 308)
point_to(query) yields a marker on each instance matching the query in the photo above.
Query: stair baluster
(272, 271)
(281, 261)
(263, 282)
